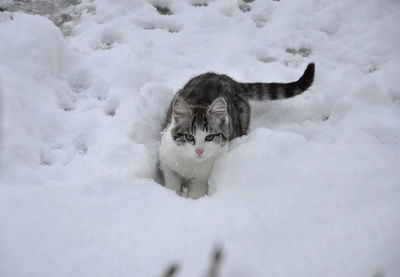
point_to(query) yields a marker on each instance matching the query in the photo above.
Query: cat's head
(200, 131)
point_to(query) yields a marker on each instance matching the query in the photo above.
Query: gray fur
(200, 92)
(208, 112)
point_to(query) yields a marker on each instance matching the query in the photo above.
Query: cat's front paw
(195, 191)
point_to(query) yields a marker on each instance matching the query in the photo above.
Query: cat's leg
(197, 189)
(172, 181)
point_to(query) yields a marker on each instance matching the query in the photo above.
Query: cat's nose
(199, 151)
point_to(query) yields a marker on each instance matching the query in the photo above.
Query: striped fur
(200, 92)
(208, 112)
(272, 91)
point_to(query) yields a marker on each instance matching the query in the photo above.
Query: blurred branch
(172, 270)
(213, 270)
(215, 263)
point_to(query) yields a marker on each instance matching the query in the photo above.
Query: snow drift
(312, 191)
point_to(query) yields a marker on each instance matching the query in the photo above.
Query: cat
(208, 112)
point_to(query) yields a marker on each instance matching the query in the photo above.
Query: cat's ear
(218, 108)
(180, 109)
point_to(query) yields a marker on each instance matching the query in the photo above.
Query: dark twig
(215, 263)
(172, 270)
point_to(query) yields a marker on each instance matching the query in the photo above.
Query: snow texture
(313, 190)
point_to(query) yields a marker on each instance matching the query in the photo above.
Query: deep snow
(313, 190)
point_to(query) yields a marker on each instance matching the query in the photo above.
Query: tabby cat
(208, 112)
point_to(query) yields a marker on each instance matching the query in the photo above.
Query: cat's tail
(272, 91)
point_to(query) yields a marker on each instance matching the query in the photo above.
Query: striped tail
(272, 91)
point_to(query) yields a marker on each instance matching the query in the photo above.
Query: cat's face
(200, 132)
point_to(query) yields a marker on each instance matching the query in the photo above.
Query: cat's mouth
(201, 157)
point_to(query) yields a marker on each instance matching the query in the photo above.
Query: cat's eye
(189, 137)
(210, 137)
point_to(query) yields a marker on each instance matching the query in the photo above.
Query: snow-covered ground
(313, 190)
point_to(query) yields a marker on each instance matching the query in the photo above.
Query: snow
(313, 190)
